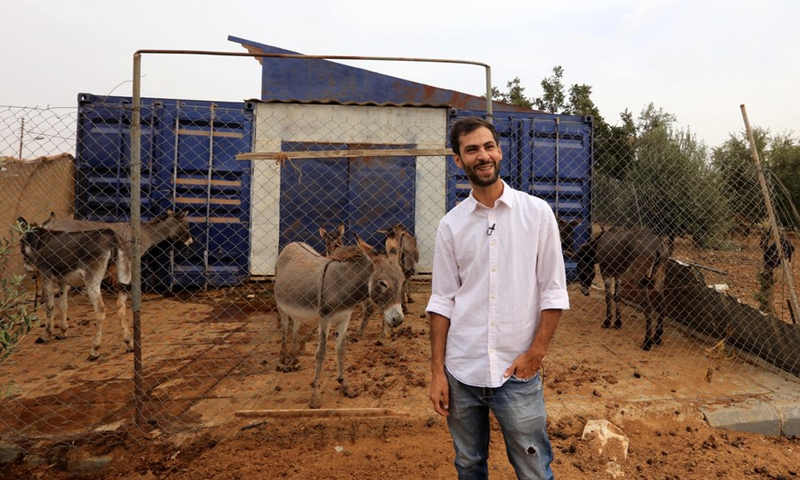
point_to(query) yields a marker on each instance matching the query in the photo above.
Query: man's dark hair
(466, 126)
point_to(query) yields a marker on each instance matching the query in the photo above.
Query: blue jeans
(519, 408)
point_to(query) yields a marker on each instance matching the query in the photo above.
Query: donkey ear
(322, 232)
(364, 246)
(341, 229)
(180, 215)
(23, 224)
(49, 222)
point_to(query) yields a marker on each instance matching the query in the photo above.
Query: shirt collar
(507, 198)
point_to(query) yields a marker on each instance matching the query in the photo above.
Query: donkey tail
(122, 260)
(657, 270)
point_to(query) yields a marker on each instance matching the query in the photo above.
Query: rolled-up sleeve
(551, 273)
(445, 281)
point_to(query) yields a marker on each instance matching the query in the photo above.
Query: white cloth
(494, 287)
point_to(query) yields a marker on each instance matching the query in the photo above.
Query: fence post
(776, 235)
(136, 230)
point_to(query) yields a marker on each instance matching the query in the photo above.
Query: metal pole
(136, 229)
(776, 236)
(489, 112)
(21, 136)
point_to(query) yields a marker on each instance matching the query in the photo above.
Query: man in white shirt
(498, 290)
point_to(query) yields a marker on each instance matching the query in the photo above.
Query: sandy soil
(214, 406)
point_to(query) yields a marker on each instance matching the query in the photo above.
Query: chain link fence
(251, 178)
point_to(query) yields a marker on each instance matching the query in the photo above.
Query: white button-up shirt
(493, 283)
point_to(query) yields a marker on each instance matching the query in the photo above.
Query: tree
(553, 98)
(15, 320)
(734, 160)
(514, 96)
(581, 103)
(615, 147)
(783, 161)
(654, 175)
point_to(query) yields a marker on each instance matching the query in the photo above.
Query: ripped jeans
(519, 408)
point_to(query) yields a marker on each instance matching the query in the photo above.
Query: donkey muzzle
(393, 315)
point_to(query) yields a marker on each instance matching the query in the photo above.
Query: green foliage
(780, 160)
(15, 320)
(615, 150)
(553, 99)
(783, 161)
(652, 175)
(648, 173)
(734, 160)
(678, 191)
(515, 94)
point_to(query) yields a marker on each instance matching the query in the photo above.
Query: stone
(607, 439)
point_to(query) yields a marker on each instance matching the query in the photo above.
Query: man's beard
(479, 181)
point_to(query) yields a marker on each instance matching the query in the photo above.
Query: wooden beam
(396, 152)
(322, 412)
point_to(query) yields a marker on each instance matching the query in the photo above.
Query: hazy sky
(698, 60)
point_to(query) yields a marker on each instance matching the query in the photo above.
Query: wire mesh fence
(362, 187)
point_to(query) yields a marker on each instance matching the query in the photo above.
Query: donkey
(400, 241)
(167, 226)
(334, 245)
(310, 287)
(632, 257)
(65, 259)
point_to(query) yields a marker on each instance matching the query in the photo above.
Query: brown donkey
(636, 258)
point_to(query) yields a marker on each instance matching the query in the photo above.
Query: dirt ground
(215, 406)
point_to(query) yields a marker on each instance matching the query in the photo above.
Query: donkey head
(385, 284)
(175, 226)
(587, 258)
(394, 239)
(31, 238)
(333, 239)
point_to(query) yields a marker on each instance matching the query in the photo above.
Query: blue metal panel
(313, 80)
(313, 194)
(381, 195)
(546, 155)
(188, 163)
(364, 194)
(102, 166)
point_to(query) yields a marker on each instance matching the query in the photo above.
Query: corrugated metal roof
(295, 80)
(339, 102)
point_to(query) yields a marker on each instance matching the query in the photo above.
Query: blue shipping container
(189, 164)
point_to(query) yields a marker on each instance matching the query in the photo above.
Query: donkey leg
(660, 280)
(618, 320)
(289, 350)
(407, 285)
(62, 305)
(96, 297)
(659, 318)
(367, 309)
(122, 299)
(324, 327)
(341, 347)
(648, 325)
(49, 310)
(608, 293)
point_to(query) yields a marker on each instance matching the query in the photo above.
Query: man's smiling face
(479, 156)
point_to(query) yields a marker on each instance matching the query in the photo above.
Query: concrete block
(789, 413)
(749, 416)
